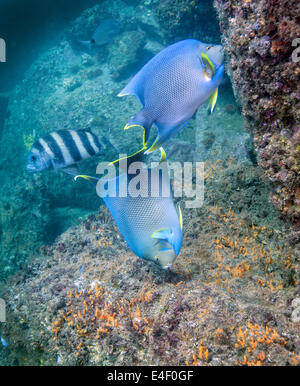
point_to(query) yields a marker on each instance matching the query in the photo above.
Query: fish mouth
(221, 50)
(168, 266)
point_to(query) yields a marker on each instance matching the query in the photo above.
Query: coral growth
(258, 36)
(231, 298)
(187, 19)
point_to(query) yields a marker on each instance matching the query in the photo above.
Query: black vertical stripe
(70, 144)
(37, 145)
(55, 149)
(97, 143)
(86, 143)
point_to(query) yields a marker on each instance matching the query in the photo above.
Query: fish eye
(207, 48)
(33, 158)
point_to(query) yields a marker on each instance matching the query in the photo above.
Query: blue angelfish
(171, 87)
(149, 222)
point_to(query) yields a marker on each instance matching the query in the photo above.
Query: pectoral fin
(209, 68)
(212, 101)
(163, 234)
(164, 239)
(72, 170)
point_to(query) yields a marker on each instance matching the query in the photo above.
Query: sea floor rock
(228, 300)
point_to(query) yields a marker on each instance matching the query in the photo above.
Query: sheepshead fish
(63, 149)
(171, 87)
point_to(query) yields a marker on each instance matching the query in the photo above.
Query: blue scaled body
(147, 218)
(150, 225)
(172, 85)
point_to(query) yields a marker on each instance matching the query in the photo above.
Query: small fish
(104, 34)
(3, 342)
(150, 224)
(171, 87)
(63, 149)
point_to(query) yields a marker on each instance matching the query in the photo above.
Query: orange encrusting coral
(254, 340)
(93, 314)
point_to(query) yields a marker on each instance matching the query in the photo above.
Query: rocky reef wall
(258, 37)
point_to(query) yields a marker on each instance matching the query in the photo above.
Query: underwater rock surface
(258, 36)
(85, 299)
(231, 298)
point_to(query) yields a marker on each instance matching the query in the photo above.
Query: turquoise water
(68, 87)
(48, 221)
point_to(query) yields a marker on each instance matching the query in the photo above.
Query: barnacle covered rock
(229, 299)
(258, 37)
(187, 18)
